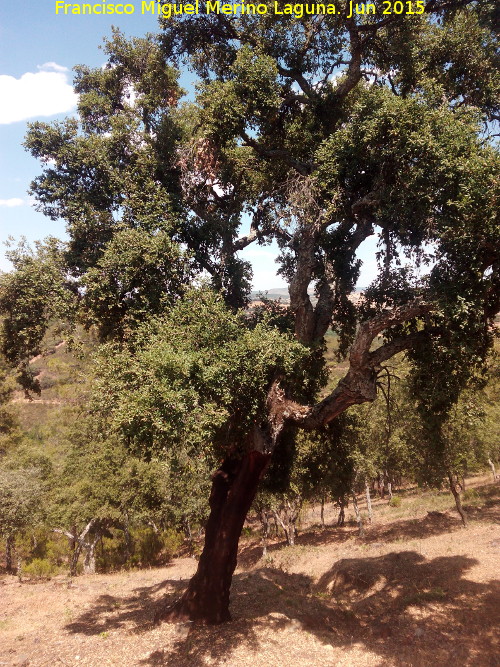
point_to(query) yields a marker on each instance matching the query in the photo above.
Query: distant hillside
(275, 293)
(281, 293)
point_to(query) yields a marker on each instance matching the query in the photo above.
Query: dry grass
(417, 591)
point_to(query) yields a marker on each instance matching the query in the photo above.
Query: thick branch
(385, 352)
(360, 350)
(76, 538)
(246, 240)
(360, 383)
(323, 310)
(353, 75)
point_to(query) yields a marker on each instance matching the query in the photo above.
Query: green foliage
(395, 501)
(471, 496)
(30, 296)
(411, 155)
(319, 155)
(8, 419)
(20, 499)
(182, 384)
(39, 568)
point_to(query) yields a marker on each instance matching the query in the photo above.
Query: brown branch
(359, 385)
(385, 352)
(360, 350)
(353, 75)
(249, 238)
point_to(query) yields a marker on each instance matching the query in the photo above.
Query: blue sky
(37, 51)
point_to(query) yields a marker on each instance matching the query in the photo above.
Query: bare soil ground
(417, 591)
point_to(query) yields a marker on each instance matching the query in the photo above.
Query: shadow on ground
(111, 612)
(406, 609)
(435, 523)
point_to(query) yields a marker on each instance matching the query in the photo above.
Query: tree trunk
(358, 514)
(264, 519)
(493, 471)
(287, 516)
(381, 486)
(458, 501)
(129, 545)
(290, 535)
(74, 559)
(187, 528)
(234, 486)
(388, 484)
(342, 504)
(368, 502)
(322, 511)
(89, 562)
(276, 526)
(9, 543)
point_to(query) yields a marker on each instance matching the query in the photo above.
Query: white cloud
(53, 66)
(43, 93)
(13, 201)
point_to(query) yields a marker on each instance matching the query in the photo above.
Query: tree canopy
(317, 133)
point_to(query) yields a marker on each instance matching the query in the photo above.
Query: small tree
(20, 505)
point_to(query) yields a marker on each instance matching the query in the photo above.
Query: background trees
(322, 132)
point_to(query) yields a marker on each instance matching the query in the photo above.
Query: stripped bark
(235, 483)
(80, 543)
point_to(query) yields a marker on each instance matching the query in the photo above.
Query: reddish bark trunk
(234, 487)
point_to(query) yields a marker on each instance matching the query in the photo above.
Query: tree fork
(234, 486)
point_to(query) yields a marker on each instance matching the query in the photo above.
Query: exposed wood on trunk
(89, 561)
(388, 484)
(359, 385)
(235, 483)
(287, 516)
(79, 543)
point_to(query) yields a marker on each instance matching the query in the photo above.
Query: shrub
(113, 553)
(172, 542)
(57, 550)
(471, 495)
(395, 501)
(39, 568)
(147, 547)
